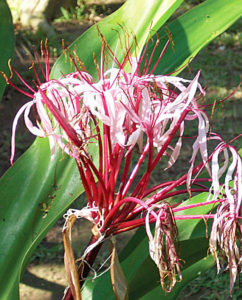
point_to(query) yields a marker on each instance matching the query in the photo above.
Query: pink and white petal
(33, 129)
(215, 187)
(52, 145)
(229, 177)
(176, 151)
(134, 137)
(203, 127)
(15, 122)
(238, 186)
(45, 121)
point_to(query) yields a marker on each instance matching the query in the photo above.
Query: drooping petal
(162, 246)
(226, 231)
(176, 151)
(15, 122)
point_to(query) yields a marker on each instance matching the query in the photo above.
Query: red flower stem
(164, 184)
(114, 165)
(100, 170)
(69, 130)
(96, 173)
(118, 162)
(148, 149)
(85, 183)
(150, 157)
(176, 183)
(126, 226)
(135, 170)
(193, 217)
(106, 155)
(84, 267)
(197, 205)
(130, 216)
(124, 177)
(112, 213)
(106, 142)
(158, 186)
(91, 181)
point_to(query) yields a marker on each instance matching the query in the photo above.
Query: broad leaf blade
(137, 19)
(193, 31)
(188, 274)
(6, 41)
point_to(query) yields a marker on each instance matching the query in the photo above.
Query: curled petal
(225, 241)
(225, 238)
(15, 122)
(162, 246)
(176, 151)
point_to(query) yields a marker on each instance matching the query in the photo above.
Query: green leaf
(35, 192)
(188, 274)
(190, 33)
(139, 19)
(33, 184)
(193, 31)
(6, 41)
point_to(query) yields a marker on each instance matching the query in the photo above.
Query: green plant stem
(84, 267)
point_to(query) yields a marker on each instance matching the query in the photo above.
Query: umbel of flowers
(125, 113)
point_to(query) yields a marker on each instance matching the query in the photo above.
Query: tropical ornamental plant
(105, 121)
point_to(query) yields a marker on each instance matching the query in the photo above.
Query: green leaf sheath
(6, 42)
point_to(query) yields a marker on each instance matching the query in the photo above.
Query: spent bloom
(118, 114)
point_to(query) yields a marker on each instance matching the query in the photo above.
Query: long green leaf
(134, 18)
(6, 41)
(193, 31)
(188, 274)
(34, 193)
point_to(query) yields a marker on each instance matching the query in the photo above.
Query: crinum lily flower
(119, 111)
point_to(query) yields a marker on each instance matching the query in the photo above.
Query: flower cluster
(117, 112)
